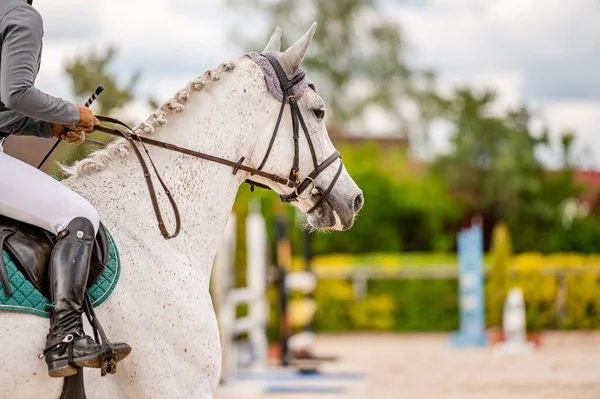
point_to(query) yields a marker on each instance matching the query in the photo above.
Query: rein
(293, 181)
(172, 147)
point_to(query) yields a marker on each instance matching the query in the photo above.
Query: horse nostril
(358, 203)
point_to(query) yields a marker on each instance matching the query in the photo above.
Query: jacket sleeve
(22, 32)
(13, 123)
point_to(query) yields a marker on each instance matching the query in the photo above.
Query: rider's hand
(70, 136)
(74, 137)
(87, 120)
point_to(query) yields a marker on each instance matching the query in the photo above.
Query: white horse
(162, 306)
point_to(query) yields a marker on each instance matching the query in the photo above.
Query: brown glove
(87, 120)
(70, 136)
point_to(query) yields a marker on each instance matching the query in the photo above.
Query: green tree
(406, 208)
(494, 171)
(357, 58)
(86, 72)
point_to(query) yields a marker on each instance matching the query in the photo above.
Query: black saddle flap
(31, 246)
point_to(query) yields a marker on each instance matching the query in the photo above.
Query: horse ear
(291, 59)
(275, 41)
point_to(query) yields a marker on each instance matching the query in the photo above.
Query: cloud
(545, 54)
(574, 77)
(542, 53)
(469, 35)
(582, 117)
(169, 43)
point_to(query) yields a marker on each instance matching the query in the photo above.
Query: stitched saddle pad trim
(40, 305)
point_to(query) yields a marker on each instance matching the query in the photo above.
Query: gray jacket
(25, 110)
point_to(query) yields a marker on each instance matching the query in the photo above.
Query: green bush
(539, 278)
(432, 305)
(582, 236)
(405, 209)
(421, 305)
(391, 305)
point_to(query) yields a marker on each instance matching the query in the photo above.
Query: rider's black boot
(67, 345)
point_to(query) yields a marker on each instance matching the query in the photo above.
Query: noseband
(300, 185)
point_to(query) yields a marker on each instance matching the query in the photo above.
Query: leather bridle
(300, 185)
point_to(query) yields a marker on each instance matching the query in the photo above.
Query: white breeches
(31, 196)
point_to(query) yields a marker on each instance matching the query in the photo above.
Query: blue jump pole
(471, 293)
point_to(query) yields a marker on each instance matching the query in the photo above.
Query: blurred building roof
(385, 141)
(590, 179)
(393, 140)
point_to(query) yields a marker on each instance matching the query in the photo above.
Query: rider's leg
(31, 196)
(69, 269)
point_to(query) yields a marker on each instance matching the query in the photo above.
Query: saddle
(30, 247)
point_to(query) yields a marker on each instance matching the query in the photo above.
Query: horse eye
(319, 113)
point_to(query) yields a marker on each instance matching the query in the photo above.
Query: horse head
(298, 146)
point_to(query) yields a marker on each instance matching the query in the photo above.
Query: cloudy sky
(543, 53)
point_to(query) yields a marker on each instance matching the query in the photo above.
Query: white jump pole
(257, 249)
(254, 294)
(222, 281)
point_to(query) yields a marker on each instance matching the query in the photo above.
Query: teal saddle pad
(26, 298)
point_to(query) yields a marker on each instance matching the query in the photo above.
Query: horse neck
(219, 121)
